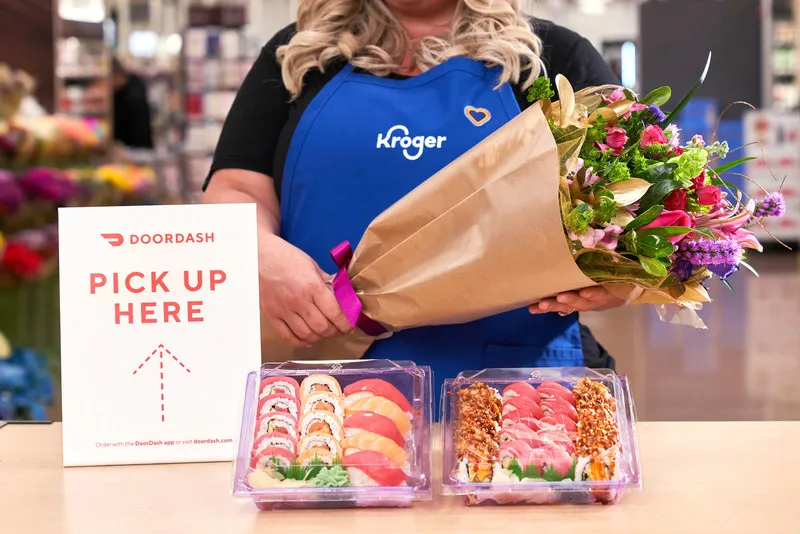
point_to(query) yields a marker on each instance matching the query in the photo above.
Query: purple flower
(723, 270)
(658, 115)
(11, 196)
(707, 251)
(47, 184)
(683, 270)
(773, 205)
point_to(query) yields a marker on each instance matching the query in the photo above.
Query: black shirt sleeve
(250, 134)
(567, 53)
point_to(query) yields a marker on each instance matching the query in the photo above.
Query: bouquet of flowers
(596, 188)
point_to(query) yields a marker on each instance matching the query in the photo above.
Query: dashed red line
(162, 397)
(141, 365)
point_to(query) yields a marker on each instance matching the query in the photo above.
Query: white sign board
(159, 328)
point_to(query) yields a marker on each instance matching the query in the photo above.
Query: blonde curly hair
(366, 33)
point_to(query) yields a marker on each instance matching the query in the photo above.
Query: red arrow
(161, 350)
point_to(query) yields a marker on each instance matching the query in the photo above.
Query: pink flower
(652, 134)
(634, 108)
(675, 136)
(698, 141)
(596, 238)
(616, 96)
(709, 195)
(616, 139)
(673, 218)
(590, 178)
(747, 239)
(574, 165)
(676, 200)
(602, 147)
(699, 181)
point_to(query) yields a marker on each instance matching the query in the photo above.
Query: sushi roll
(367, 441)
(370, 468)
(324, 401)
(321, 421)
(320, 383)
(320, 440)
(271, 457)
(520, 389)
(316, 453)
(277, 440)
(279, 402)
(375, 387)
(476, 431)
(385, 408)
(279, 384)
(597, 434)
(375, 423)
(280, 422)
(559, 406)
(525, 404)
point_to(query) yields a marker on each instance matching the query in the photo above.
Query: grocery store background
(56, 149)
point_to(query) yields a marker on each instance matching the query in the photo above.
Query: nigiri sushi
(325, 401)
(520, 389)
(560, 420)
(279, 384)
(551, 390)
(375, 387)
(271, 456)
(559, 405)
(525, 404)
(522, 416)
(320, 383)
(370, 468)
(367, 441)
(372, 422)
(316, 453)
(513, 450)
(279, 402)
(557, 458)
(275, 439)
(320, 440)
(321, 421)
(281, 422)
(557, 436)
(383, 407)
(520, 432)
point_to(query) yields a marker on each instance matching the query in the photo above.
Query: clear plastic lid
(539, 436)
(329, 434)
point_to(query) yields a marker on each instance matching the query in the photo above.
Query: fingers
(327, 304)
(300, 328)
(286, 334)
(565, 303)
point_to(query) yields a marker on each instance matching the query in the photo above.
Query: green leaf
(749, 268)
(531, 472)
(571, 472)
(704, 231)
(719, 182)
(551, 475)
(629, 95)
(728, 166)
(657, 193)
(645, 218)
(667, 231)
(657, 97)
(654, 246)
(659, 171)
(672, 116)
(728, 285)
(515, 468)
(653, 266)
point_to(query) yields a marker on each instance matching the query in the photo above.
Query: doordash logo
(117, 240)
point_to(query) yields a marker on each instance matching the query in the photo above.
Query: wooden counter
(698, 477)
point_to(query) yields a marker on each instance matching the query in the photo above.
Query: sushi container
(539, 436)
(342, 434)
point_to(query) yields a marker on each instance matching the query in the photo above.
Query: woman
(306, 140)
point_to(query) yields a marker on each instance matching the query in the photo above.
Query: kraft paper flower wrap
(521, 217)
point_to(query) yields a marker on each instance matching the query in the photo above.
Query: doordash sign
(159, 328)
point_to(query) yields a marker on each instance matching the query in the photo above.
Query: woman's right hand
(295, 299)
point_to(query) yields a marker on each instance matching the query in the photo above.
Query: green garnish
(540, 90)
(331, 477)
(549, 475)
(296, 471)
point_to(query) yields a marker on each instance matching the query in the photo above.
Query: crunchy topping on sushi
(478, 429)
(597, 429)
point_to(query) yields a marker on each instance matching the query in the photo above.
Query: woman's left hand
(590, 299)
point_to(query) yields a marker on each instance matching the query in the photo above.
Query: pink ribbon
(346, 294)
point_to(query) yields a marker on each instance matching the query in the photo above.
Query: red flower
(21, 261)
(677, 151)
(709, 195)
(653, 134)
(676, 200)
(699, 181)
(616, 139)
(672, 218)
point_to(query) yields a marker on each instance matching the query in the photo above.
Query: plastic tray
(414, 382)
(606, 491)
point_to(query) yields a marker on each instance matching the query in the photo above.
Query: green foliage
(638, 164)
(672, 116)
(666, 231)
(597, 131)
(657, 151)
(717, 148)
(579, 218)
(689, 165)
(654, 246)
(646, 217)
(656, 194)
(605, 210)
(657, 97)
(571, 472)
(730, 165)
(653, 266)
(617, 171)
(540, 90)
(658, 171)
(549, 474)
(296, 471)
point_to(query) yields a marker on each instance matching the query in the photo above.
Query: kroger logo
(397, 138)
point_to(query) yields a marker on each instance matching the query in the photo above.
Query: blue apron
(362, 144)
